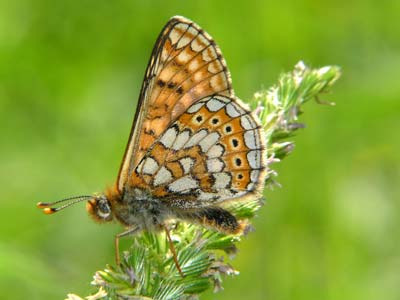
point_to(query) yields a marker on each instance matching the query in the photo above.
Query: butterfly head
(99, 208)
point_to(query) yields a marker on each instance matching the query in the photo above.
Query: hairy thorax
(138, 208)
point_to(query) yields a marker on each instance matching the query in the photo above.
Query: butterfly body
(193, 145)
(139, 210)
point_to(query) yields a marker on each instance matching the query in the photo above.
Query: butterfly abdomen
(218, 219)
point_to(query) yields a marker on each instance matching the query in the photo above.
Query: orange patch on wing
(206, 183)
(160, 191)
(216, 119)
(234, 142)
(240, 179)
(236, 161)
(139, 182)
(165, 53)
(234, 125)
(159, 153)
(146, 143)
(199, 168)
(175, 168)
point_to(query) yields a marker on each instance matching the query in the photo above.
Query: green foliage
(148, 271)
(280, 106)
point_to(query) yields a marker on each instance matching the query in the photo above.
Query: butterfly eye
(103, 208)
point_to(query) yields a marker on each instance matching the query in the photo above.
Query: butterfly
(193, 145)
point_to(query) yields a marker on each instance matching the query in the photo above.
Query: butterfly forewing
(185, 66)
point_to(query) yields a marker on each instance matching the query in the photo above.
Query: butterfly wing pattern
(193, 144)
(211, 153)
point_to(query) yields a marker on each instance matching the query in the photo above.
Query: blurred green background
(70, 74)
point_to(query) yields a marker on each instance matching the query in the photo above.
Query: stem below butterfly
(172, 248)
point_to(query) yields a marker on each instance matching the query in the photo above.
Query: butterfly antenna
(47, 209)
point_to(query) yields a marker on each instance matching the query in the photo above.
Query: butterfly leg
(172, 248)
(130, 231)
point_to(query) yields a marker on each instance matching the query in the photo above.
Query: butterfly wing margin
(185, 66)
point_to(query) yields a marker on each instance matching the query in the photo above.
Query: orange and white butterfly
(193, 145)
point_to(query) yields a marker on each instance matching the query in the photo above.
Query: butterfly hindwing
(185, 66)
(213, 152)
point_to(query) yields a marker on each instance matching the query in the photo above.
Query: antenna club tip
(49, 210)
(42, 205)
